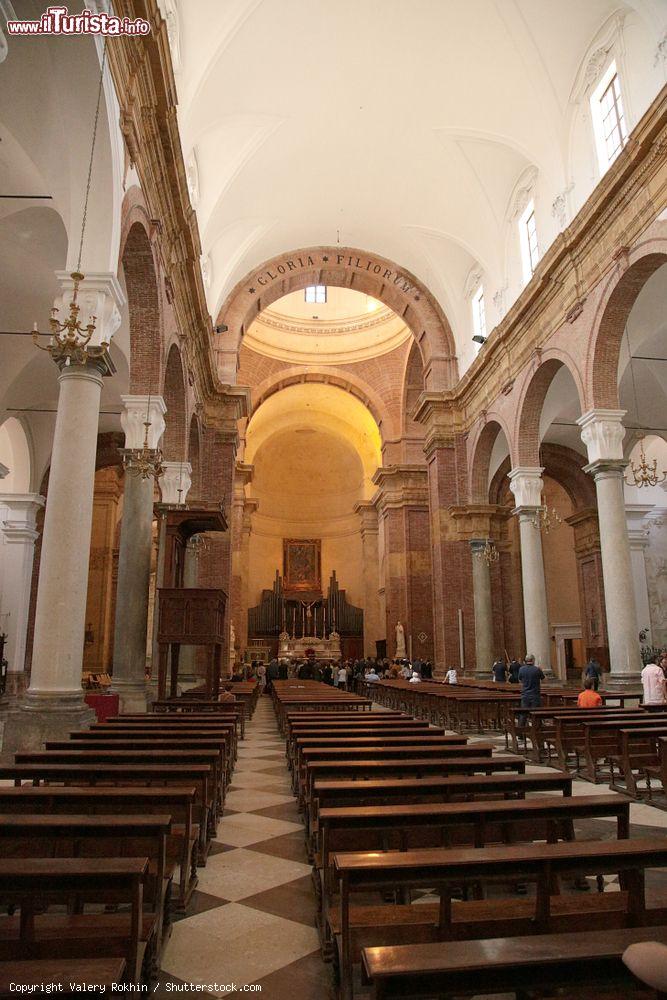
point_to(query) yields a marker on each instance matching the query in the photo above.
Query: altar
(298, 648)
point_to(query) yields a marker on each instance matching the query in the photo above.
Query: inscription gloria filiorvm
(306, 261)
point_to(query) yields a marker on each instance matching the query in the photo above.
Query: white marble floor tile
(246, 800)
(235, 944)
(241, 829)
(237, 874)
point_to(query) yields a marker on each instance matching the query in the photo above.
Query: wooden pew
(131, 800)
(349, 748)
(639, 750)
(602, 742)
(149, 742)
(359, 770)
(446, 824)
(227, 710)
(199, 775)
(592, 738)
(99, 975)
(33, 883)
(39, 836)
(166, 757)
(103, 732)
(543, 962)
(539, 864)
(394, 791)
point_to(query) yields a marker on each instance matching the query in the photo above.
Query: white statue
(401, 652)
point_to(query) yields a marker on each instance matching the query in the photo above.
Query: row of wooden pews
(621, 746)
(101, 836)
(441, 866)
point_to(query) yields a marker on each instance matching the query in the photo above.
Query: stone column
(373, 627)
(249, 508)
(483, 605)
(638, 536)
(402, 505)
(175, 483)
(242, 477)
(526, 485)
(18, 512)
(134, 558)
(54, 699)
(602, 432)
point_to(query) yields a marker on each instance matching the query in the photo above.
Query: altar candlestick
(294, 623)
(324, 622)
(303, 621)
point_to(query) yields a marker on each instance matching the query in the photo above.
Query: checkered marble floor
(252, 917)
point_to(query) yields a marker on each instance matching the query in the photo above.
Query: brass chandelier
(145, 461)
(70, 341)
(489, 553)
(645, 473)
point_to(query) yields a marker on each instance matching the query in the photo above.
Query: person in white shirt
(342, 679)
(415, 679)
(654, 684)
(451, 676)
(372, 675)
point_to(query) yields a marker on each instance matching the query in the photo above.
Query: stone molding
(602, 432)
(138, 409)
(400, 486)
(526, 484)
(176, 476)
(481, 522)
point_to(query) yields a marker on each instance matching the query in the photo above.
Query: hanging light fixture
(489, 553)
(645, 473)
(70, 341)
(546, 518)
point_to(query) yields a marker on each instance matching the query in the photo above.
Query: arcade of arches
(377, 376)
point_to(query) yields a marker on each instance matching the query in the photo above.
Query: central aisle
(253, 914)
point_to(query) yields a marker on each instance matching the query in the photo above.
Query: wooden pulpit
(189, 616)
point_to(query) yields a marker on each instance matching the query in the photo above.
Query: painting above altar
(302, 567)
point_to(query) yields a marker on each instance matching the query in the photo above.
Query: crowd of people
(343, 674)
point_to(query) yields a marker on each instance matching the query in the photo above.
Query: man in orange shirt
(588, 697)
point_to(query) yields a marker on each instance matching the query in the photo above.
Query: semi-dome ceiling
(409, 128)
(347, 326)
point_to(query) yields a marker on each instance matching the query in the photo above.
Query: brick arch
(612, 315)
(194, 457)
(143, 303)
(563, 465)
(174, 440)
(531, 402)
(326, 376)
(347, 268)
(482, 448)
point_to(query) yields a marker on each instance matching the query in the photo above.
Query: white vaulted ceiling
(403, 127)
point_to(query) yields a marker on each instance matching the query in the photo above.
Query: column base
(612, 682)
(33, 719)
(132, 695)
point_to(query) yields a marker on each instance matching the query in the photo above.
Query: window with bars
(530, 251)
(609, 121)
(315, 293)
(613, 119)
(479, 313)
(531, 236)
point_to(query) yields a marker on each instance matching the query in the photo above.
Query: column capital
(175, 482)
(230, 404)
(607, 468)
(638, 529)
(368, 516)
(99, 295)
(602, 432)
(480, 520)
(400, 486)
(22, 509)
(526, 484)
(136, 411)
